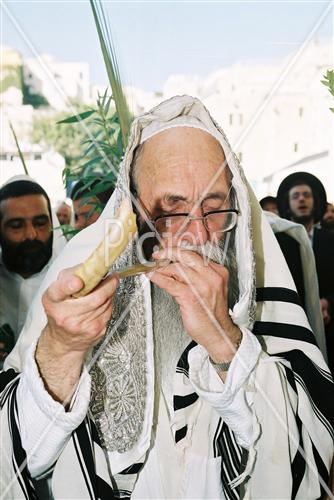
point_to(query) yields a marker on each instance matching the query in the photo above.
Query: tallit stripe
(272, 312)
(181, 402)
(105, 492)
(306, 373)
(82, 454)
(298, 465)
(122, 494)
(278, 294)
(183, 365)
(322, 469)
(230, 494)
(291, 379)
(315, 409)
(133, 469)
(19, 454)
(181, 433)
(216, 436)
(230, 453)
(284, 330)
(324, 373)
(15, 466)
(6, 377)
(234, 461)
(8, 385)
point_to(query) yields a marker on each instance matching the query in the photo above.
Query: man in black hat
(301, 197)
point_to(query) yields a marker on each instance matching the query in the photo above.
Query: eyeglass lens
(215, 223)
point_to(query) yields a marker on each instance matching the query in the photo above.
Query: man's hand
(74, 326)
(201, 290)
(324, 304)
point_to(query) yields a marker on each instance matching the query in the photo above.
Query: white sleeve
(231, 398)
(44, 424)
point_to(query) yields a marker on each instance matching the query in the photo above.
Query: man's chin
(303, 218)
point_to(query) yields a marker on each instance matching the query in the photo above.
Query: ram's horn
(97, 265)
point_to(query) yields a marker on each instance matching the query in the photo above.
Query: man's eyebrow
(216, 195)
(41, 216)
(173, 198)
(14, 219)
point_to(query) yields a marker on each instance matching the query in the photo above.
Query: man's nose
(196, 232)
(30, 231)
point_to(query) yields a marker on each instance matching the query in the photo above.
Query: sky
(155, 39)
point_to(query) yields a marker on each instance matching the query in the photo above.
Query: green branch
(110, 60)
(19, 149)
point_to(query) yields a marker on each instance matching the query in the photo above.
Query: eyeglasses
(217, 221)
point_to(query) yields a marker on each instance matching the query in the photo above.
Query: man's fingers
(65, 286)
(179, 254)
(169, 284)
(68, 283)
(193, 261)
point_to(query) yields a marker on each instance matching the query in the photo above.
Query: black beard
(26, 258)
(302, 219)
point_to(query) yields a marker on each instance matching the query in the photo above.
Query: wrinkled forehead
(179, 148)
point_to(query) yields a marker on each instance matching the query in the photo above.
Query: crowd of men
(197, 380)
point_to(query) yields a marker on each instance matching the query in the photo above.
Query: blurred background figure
(88, 201)
(301, 197)
(28, 246)
(269, 204)
(64, 212)
(327, 222)
(298, 253)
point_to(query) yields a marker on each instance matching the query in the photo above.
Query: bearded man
(205, 380)
(26, 240)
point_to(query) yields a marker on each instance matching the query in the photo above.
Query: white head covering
(127, 358)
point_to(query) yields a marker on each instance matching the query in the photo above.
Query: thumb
(65, 286)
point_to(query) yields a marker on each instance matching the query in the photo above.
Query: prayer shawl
(312, 299)
(292, 446)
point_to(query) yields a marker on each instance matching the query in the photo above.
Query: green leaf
(119, 145)
(77, 118)
(91, 162)
(110, 60)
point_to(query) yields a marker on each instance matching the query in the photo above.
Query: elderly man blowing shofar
(205, 377)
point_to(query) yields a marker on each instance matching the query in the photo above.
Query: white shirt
(16, 295)
(46, 427)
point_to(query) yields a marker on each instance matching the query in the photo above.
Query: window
(231, 119)
(295, 147)
(240, 156)
(300, 112)
(37, 156)
(241, 119)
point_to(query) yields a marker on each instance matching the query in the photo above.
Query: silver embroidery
(119, 375)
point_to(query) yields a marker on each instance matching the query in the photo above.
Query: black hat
(295, 179)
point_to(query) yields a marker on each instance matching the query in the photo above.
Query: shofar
(97, 265)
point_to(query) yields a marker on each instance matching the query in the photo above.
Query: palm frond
(19, 149)
(110, 60)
